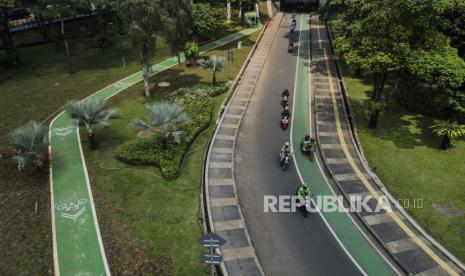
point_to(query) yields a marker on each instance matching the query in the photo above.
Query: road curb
(222, 203)
(409, 245)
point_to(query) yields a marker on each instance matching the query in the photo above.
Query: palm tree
(30, 142)
(91, 114)
(164, 117)
(448, 131)
(213, 64)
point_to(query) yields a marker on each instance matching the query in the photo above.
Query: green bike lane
(77, 245)
(355, 243)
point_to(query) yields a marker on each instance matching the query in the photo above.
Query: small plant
(449, 131)
(213, 64)
(191, 51)
(30, 142)
(91, 114)
(165, 118)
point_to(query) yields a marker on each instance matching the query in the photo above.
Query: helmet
(287, 144)
(286, 108)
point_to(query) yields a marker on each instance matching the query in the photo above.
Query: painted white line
(56, 268)
(92, 206)
(292, 146)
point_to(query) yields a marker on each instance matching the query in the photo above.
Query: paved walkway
(224, 214)
(77, 244)
(409, 248)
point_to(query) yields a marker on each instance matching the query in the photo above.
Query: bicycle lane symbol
(73, 209)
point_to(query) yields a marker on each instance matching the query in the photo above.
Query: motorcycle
(284, 101)
(290, 48)
(285, 160)
(304, 144)
(307, 146)
(292, 28)
(284, 122)
(305, 207)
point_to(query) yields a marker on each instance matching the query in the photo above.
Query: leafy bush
(199, 106)
(191, 51)
(211, 90)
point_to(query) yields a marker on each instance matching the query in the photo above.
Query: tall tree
(375, 43)
(7, 38)
(243, 6)
(62, 9)
(177, 24)
(205, 22)
(443, 71)
(144, 23)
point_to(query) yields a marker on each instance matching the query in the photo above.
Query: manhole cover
(448, 209)
(163, 84)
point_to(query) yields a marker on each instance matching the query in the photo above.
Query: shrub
(199, 106)
(191, 51)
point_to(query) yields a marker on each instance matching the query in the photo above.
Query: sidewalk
(77, 244)
(414, 253)
(224, 213)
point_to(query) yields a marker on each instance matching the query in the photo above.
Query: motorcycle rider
(311, 147)
(285, 93)
(291, 45)
(286, 112)
(303, 191)
(284, 101)
(286, 151)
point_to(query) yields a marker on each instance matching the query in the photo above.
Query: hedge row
(148, 151)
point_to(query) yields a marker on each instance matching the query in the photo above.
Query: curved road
(286, 243)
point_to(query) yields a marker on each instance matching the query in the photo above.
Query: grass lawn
(35, 91)
(151, 225)
(405, 154)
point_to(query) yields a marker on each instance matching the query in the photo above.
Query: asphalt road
(286, 243)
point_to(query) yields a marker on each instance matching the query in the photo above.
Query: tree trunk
(214, 77)
(228, 11)
(65, 42)
(8, 42)
(164, 142)
(446, 143)
(145, 73)
(92, 141)
(380, 82)
(374, 119)
(43, 26)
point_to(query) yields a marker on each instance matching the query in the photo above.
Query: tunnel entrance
(300, 5)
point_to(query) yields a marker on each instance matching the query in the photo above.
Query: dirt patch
(448, 209)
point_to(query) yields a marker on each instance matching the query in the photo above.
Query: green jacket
(303, 191)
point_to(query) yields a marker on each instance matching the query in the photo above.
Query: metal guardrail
(33, 22)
